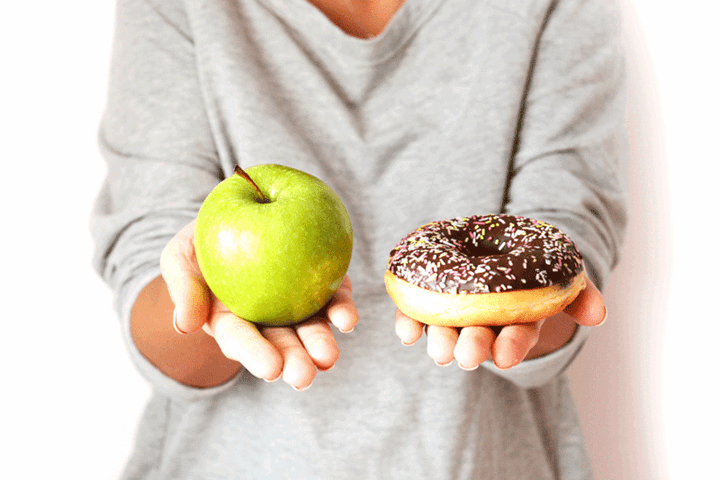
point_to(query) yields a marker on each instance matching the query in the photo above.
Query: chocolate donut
(484, 270)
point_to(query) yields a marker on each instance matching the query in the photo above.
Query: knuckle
(227, 344)
(166, 256)
(229, 336)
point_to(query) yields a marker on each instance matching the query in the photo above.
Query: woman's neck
(359, 18)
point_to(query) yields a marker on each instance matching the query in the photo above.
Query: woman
(411, 112)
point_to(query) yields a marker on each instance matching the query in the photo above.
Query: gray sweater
(460, 107)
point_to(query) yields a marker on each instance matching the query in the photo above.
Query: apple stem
(244, 175)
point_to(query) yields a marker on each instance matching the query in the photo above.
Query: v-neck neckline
(315, 27)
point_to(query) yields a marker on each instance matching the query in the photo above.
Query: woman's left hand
(508, 345)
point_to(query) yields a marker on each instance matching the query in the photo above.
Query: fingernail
(443, 364)
(175, 324)
(326, 369)
(604, 318)
(468, 369)
(301, 389)
(271, 380)
(504, 368)
(346, 331)
(407, 344)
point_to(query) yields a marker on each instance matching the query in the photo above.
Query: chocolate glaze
(483, 254)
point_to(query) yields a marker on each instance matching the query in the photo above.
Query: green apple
(273, 244)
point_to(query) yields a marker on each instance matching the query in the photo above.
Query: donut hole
(481, 250)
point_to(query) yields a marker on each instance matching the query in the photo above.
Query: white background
(645, 384)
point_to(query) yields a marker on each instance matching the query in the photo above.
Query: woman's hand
(293, 353)
(509, 345)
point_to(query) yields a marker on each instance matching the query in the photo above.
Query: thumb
(588, 308)
(185, 283)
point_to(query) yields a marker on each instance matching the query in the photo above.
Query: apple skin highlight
(279, 260)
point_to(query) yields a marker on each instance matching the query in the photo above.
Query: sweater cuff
(159, 382)
(538, 371)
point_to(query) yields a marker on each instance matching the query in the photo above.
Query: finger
(242, 341)
(317, 338)
(185, 283)
(298, 367)
(441, 344)
(341, 311)
(473, 347)
(514, 342)
(408, 330)
(588, 308)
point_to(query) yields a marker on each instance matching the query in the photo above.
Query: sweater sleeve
(570, 160)
(159, 152)
(569, 163)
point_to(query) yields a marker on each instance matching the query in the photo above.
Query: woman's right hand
(293, 353)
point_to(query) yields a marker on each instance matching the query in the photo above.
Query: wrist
(193, 359)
